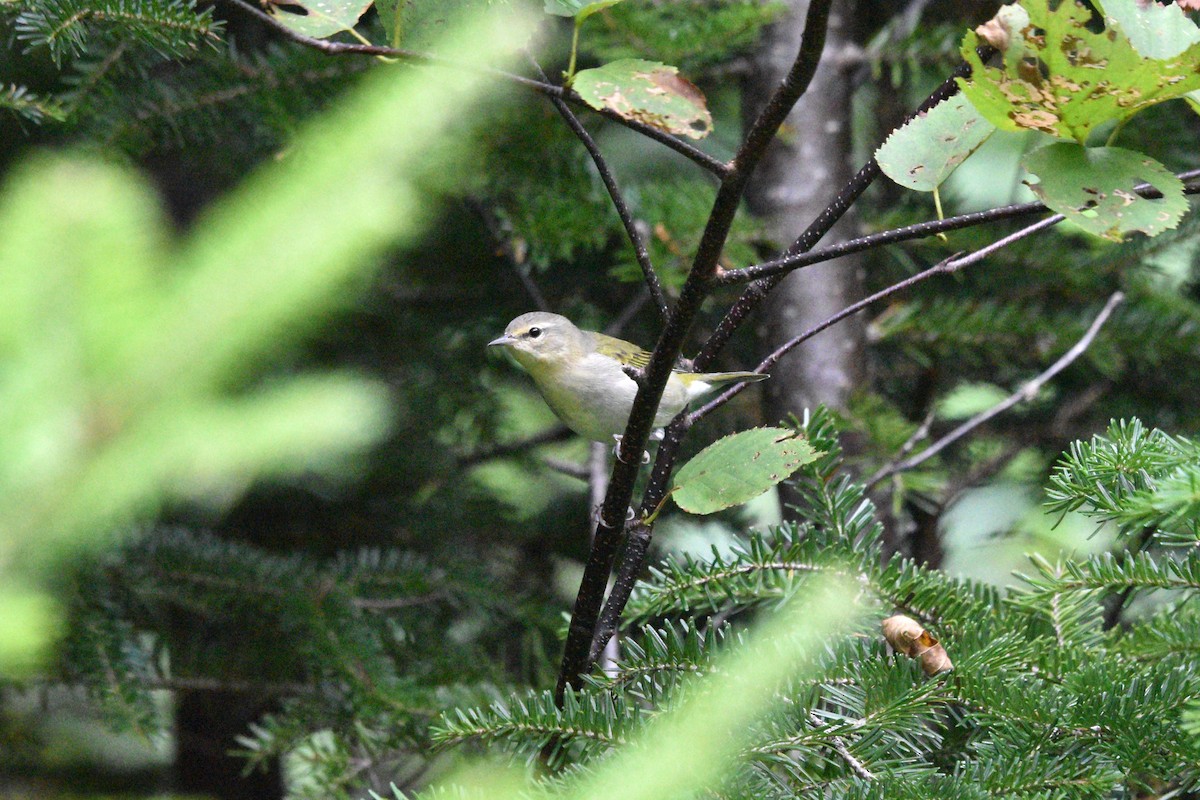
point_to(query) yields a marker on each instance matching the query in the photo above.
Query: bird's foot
(617, 450)
(598, 509)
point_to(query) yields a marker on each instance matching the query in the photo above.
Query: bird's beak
(502, 341)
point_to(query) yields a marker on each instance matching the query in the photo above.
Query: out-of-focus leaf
(740, 467)
(647, 92)
(580, 9)
(1155, 31)
(422, 24)
(924, 151)
(1094, 188)
(323, 18)
(127, 353)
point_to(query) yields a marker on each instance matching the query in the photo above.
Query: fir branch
(582, 722)
(173, 28)
(1135, 477)
(759, 571)
(127, 101)
(839, 746)
(31, 106)
(903, 711)
(655, 660)
(1137, 571)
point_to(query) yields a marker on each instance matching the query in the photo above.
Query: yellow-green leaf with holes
(647, 92)
(1094, 188)
(323, 18)
(740, 467)
(1061, 78)
(924, 151)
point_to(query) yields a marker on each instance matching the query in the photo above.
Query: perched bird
(580, 375)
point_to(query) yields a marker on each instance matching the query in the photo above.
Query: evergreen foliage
(403, 620)
(1029, 709)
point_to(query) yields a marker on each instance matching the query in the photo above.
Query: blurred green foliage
(130, 354)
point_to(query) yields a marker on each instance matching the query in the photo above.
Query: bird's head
(540, 339)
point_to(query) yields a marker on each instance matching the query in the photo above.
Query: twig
(588, 602)
(839, 747)
(627, 314)
(694, 154)
(558, 433)
(180, 683)
(944, 267)
(608, 649)
(920, 230)
(610, 183)
(568, 468)
(759, 289)
(637, 543)
(1027, 392)
(515, 259)
(392, 603)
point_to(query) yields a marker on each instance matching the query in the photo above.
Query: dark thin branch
(694, 154)
(944, 267)
(920, 230)
(729, 198)
(181, 683)
(558, 433)
(789, 91)
(640, 252)
(585, 615)
(1027, 392)
(637, 543)
(571, 469)
(514, 255)
(759, 289)
(622, 319)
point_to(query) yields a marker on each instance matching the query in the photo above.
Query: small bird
(580, 375)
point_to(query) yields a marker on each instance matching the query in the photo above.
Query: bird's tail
(699, 383)
(735, 377)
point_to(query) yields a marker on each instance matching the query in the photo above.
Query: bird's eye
(535, 332)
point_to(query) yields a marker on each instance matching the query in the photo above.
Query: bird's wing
(621, 350)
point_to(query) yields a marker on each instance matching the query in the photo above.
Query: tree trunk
(807, 164)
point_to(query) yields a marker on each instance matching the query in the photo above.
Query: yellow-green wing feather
(623, 351)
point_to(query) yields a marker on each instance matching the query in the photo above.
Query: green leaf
(421, 24)
(647, 92)
(1094, 188)
(324, 17)
(1061, 78)
(739, 468)
(924, 151)
(576, 8)
(1155, 31)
